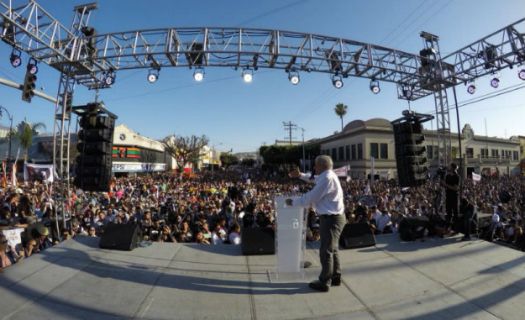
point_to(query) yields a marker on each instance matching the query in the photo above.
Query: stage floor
(434, 279)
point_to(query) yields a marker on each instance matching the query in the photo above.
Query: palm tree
(25, 133)
(340, 110)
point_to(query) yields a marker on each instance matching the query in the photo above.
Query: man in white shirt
(327, 198)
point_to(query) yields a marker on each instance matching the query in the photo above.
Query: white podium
(289, 240)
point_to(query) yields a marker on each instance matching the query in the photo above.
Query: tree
(25, 131)
(185, 149)
(280, 155)
(340, 111)
(228, 159)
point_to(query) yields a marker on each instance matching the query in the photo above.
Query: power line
(289, 127)
(426, 21)
(486, 97)
(406, 19)
(270, 12)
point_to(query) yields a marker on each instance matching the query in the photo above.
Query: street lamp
(2, 108)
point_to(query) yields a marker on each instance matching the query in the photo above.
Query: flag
(368, 190)
(342, 171)
(476, 177)
(38, 172)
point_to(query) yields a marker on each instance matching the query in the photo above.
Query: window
(354, 152)
(384, 151)
(470, 153)
(341, 154)
(484, 153)
(430, 152)
(359, 151)
(347, 155)
(454, 152)
(494, 153)
(374, 150)
(334, 154)
(515, 156)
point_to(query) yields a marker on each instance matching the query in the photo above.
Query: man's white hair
(324, 161)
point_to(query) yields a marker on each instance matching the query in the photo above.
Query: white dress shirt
(326, 197)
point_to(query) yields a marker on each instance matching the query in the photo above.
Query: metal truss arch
(86, 58)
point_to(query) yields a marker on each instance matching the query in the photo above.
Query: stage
(434, 279)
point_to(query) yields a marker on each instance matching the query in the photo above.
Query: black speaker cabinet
(357, 235)
(120, 237)
(257, 241)
(412, 228)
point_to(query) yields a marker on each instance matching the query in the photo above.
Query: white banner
(138, 167)
(13, 236)
(38, 172)
(476, 177)
(342, 171)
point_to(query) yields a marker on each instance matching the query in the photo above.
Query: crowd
(214, 208)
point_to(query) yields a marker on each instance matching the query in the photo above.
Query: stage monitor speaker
(120, 237)
(357, 235)
(412, 228)
(257, 241)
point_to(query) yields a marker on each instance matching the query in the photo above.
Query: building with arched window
(361, 141)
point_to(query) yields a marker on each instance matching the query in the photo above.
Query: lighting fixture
(32, 67)
(337, 81)
(293, 76)
(374, 86)
(471, 88)
(247, 75)
(153, 75)
(494, 83)
(198, 75)
(109, 77)
(407, 92)
(15, 58)
(521, 74)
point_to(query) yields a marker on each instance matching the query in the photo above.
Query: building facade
(370, 144)
(131, 153)
(134, 153)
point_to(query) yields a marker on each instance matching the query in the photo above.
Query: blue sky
(244, 116)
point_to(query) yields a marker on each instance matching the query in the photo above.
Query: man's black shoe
(465, 239)
(336, 281)
(319, 286)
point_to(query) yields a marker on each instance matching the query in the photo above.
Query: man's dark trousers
(331, 227)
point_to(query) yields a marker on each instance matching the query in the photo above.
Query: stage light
(407, 92)
(32, 67)
(198, 75)
(247, 75)
(494, 83)
(521, 74)
(15, 58)
(153, 75)
(337, 81)
(374, 86)
(109, 77)
(471, 88)
(293, 76)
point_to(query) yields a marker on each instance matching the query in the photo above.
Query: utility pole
(304, 158)
(289, 127)
(10, 130)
